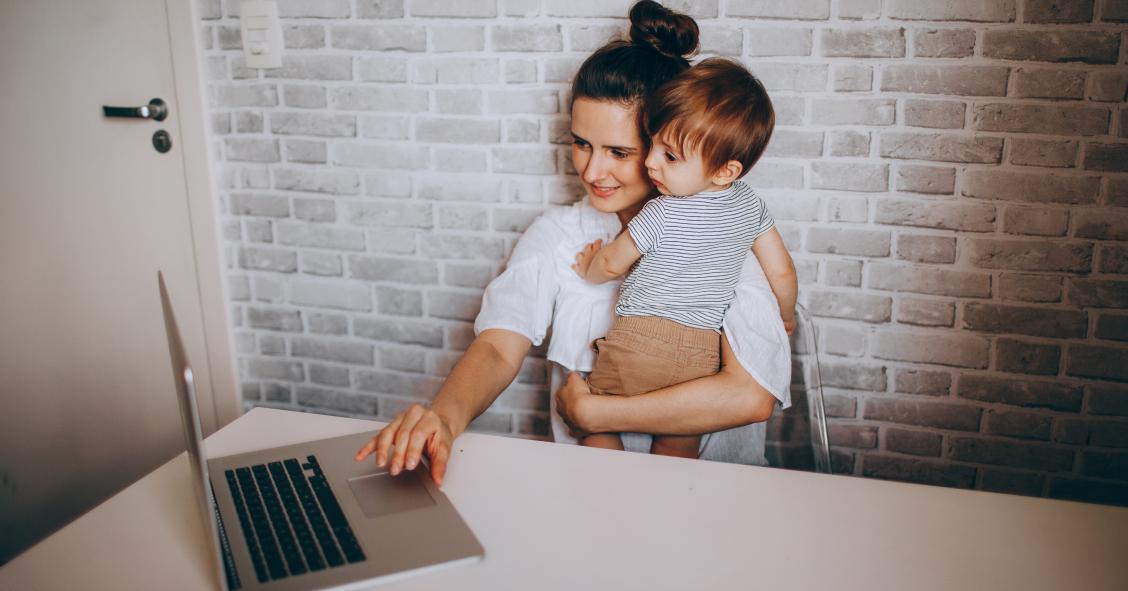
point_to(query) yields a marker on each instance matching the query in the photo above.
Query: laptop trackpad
(384, 494)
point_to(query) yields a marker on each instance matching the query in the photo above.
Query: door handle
(156, 110)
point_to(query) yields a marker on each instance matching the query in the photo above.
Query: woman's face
(608, 153)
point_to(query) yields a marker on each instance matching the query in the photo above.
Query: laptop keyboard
(291, 520)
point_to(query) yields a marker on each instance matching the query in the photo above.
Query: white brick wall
(951, 177)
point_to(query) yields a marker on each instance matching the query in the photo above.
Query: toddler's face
(678, 172)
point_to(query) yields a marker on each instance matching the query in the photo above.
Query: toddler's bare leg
(603, 440)
(680, 446)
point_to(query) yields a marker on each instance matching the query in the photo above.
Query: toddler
(708, 127)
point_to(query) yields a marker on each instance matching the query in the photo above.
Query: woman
(539, 289)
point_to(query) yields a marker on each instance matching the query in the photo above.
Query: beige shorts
(645, 353)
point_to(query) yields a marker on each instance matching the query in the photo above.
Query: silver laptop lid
(193, 434)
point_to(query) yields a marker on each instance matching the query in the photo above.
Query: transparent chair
(808, 340)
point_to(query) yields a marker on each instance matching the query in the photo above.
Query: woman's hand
(570, 399)
(585, 257)
(405, 439)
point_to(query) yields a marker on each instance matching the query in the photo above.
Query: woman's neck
(626, 215)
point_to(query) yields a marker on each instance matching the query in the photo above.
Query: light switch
(262, 33)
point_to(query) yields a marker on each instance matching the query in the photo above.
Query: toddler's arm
(600, 265)
(780, 271)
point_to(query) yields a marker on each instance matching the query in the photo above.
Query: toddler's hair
(716, 107)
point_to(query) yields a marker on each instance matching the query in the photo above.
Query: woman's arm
(780, 271)
(488, 367)
(727, 399)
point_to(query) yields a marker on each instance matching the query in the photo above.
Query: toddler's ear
(728, 172)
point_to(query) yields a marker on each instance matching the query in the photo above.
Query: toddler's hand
(585, 257)
(789, 325)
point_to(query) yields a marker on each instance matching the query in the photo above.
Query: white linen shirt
(539, 289)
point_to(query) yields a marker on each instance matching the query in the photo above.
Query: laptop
(307, 516)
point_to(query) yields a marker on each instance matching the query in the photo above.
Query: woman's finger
(419, 436)
(439, 457)
(384, 440)
(411, 418)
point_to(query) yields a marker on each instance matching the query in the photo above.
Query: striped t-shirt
(693, 249)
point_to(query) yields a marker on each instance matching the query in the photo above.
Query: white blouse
(538, 289)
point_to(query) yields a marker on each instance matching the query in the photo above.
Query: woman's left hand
(570, 400)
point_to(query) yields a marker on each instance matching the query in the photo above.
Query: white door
(89, 212)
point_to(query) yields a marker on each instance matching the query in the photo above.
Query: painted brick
(399, 302)
(328, 375)
(859, 9)
(940, 147)
(1108, 86)
(303, 36)
(1114, 259)
(1030, 358)
(1107, 157)
(455, 70)
(925, 179)
(320, 263)
(1046, 83)
(948, 43)
(847, 209)
(1094, 47)
(778, 41)
(1112, 327)
(314, 124)
(460, 188)
(789, 143)
(921, 312)
(1053, 395)
(475, 275)
(918, 471)
(514, 220)
(1010, 453)
(400, 384)
(855, 306)
(306, 151)
(379, 37)
(948, 79)
(319, 236)
(936, 415)
(1030, 187)
(922, 382)
(312, 67)
(863, 42)
(847, 143)
(332, 350)
(971, 217)
(258, 95)
(520, 71)
(855, 436)
(409, 333)
(382, 69)
(410, 360)
(1025, 320)
(790, 77)
(931, 347)
(789, 110)
(259, 230)
(1099, 362)
(390, 155)
(320, 293)
(951, 10)
(379, 8)
(273, 319)
(927, 279)
(852, 78)
(457, 131)
(276, 369)
(304, 96)
(459, 217)
(524, 160)
(1108, 399)
(721, 40)
(527, 38)
(1027, 255)
(915, 443)
(462, 8)
(390, 269)
(387, 183)
(1058, 154)
(589, 37)
(1055, 11)
(268, 259)
(853, 111)
(315, 210)
(934, 114)
(541, 102)
(450, 246)
(798, 10)
(1035, 222)
(850, 242)
(1020, 425)
(850, 176)
(453, 305)
(1013, 482)
(260, 205)
(1049, 119)
(843, 341)
(926, 249)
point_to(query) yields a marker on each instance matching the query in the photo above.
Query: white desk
(564, 517)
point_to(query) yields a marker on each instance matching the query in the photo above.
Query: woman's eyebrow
(627, 149)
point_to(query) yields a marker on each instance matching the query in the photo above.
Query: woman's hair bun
(669, 32)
